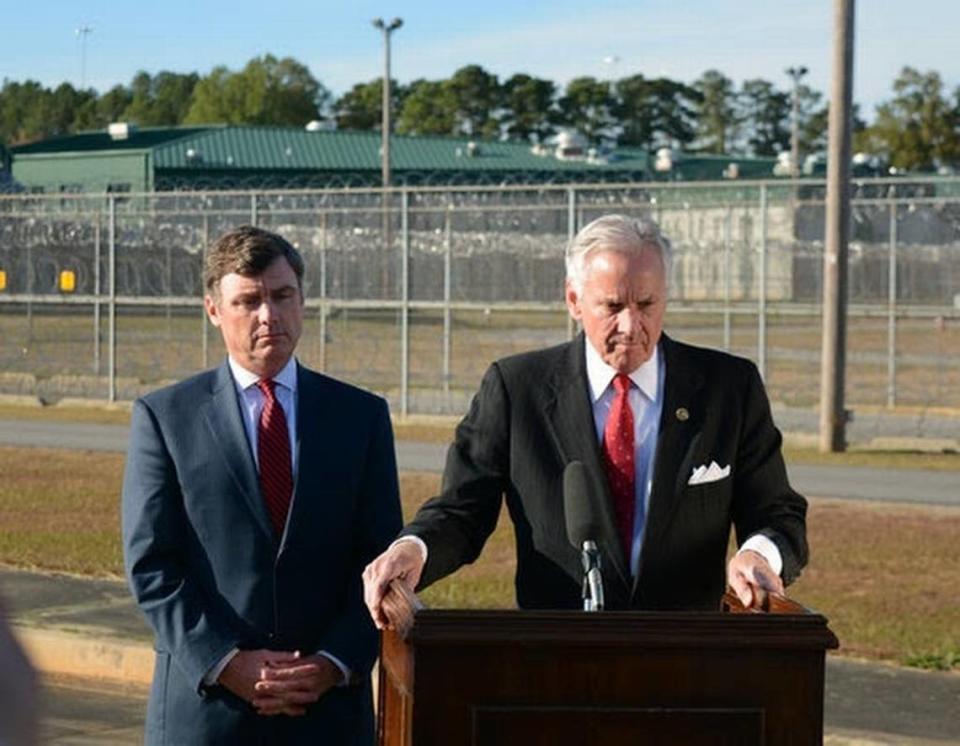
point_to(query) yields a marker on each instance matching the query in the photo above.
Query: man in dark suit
(253, 496)
(679, 440)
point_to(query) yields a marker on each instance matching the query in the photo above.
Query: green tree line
(917, 128)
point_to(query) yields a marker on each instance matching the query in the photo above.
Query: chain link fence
(412, 292)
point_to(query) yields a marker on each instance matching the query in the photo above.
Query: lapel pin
(682, 414)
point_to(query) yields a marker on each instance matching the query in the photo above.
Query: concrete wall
(712, 243)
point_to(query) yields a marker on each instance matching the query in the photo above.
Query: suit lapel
(680, 424)
(314, 452)
(222, 415)
(571, 414)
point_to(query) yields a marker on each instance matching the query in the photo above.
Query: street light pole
(796, 74)
(387, 29)
(82, 33)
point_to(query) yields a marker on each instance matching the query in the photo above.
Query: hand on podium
(751, 577)
(403, 562)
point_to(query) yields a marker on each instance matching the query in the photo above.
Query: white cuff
(347, 673)
(214, 673)
(416, 540)
(763, 546)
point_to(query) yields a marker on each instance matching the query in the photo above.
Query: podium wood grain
(498, 678)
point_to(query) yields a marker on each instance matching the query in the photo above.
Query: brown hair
(248, 251)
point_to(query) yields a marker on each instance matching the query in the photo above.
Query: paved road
(921, 486)
(86, 435)
(896, 485)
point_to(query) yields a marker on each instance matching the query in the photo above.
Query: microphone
(582, 530)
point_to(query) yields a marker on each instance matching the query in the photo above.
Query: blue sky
(558, 40)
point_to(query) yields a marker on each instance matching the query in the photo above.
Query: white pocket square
(707, 474)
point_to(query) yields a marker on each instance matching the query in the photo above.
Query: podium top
(783, 625)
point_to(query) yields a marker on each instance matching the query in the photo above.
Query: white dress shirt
(646, 402)
(251, 400)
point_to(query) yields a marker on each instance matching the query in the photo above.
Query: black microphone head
(578, 505)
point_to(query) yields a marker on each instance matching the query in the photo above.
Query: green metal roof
(180, 155)
(711, 167)
(223, 149)
(138, 139)
(275, 148)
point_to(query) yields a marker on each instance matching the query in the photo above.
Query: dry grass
(887, 576)
(60, 510)
(100, 415)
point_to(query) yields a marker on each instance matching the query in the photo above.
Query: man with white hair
(678, 439)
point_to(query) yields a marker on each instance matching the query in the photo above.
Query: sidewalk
(91, 628)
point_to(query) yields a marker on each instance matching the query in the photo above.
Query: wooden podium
(571, 678)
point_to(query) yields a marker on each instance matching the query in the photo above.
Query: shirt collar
(287, 377)
(599, 374)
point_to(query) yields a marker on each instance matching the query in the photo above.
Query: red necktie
(273, 456)
(618, 457)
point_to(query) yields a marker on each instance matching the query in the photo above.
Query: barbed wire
(503, 244)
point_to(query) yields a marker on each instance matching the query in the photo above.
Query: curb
(21, 400)
(55, 652)
(922, 444)
(929, 445)
(847, 737)
(76, 402)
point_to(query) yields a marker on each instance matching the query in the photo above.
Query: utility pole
(82, 33)
(796, 74)
(833, 415)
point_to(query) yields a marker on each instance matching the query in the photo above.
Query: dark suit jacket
(532, 416)
(206, 570)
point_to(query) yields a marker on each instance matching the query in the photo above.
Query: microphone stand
(592, 588)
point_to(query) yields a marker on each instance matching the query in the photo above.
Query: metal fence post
(892, 308)
(571, 232)
(96, 290)
(323, 291)
(204, 324)
(405, 305)
(112, 275)
(254, 217)
(762, 288)
(726, 278)
(447, 312)
(168, 290)
(30, 288)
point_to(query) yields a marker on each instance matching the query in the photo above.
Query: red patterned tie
(273, 455)
(618, 457)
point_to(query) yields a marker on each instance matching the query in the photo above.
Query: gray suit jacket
(532, 416)
(209, 575)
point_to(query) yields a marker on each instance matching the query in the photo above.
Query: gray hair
(615, 233)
